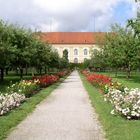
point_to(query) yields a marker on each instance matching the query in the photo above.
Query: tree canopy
(20, 48)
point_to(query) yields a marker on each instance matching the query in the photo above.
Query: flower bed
(85, 72)
(16, 94)
(10, 101)
(26, 87)
(63, 73)
(125, 102)
(46, 80)
(99, 80)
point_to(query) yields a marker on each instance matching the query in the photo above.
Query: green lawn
(132, 82)
(115, 127)
(14, 117)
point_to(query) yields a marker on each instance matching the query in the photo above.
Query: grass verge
(13, 118)
(115, 127)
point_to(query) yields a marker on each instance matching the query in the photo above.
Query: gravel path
(65, 115)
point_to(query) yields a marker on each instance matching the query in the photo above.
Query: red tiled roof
(71, 37)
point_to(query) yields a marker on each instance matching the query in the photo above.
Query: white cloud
(55, 6)
(62, 15)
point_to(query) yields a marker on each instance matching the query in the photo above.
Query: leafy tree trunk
(2, 74)
(26, 70)
(21, 73)
(116, 72)
(6, 71)
(32, 71)
(17, 71)
(135, 71)
(128, 71)
(46, 70)
(40, 71)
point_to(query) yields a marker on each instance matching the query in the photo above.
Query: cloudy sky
(67, 15)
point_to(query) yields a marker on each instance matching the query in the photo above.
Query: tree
(112, 49)
(86, 63)
(20, 48)
(54, 59)
(41, 54)
(98, 60)
(6, 48)
(21, 38)
(120, 49)
(63, 63)
(134, 25)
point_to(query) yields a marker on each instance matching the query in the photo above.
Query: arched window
(85, 51)
(75, 60)
(65, 54)
(75, 52)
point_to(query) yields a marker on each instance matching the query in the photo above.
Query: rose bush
(125, 103)
(85, 72)
(101, 81)
(63, 73)
(10, 101)
(46, 80)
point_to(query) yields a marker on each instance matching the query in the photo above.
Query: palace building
(77, 44)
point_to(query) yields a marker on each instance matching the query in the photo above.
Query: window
(85, 51)
(75, 52)
(75, 60)
(65, 54)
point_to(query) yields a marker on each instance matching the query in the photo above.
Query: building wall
(71, 47)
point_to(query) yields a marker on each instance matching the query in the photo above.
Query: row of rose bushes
(18, 92)
(125, 102)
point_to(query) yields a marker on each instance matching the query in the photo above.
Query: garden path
(65, 115)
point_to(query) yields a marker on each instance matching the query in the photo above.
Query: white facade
(77, 53)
